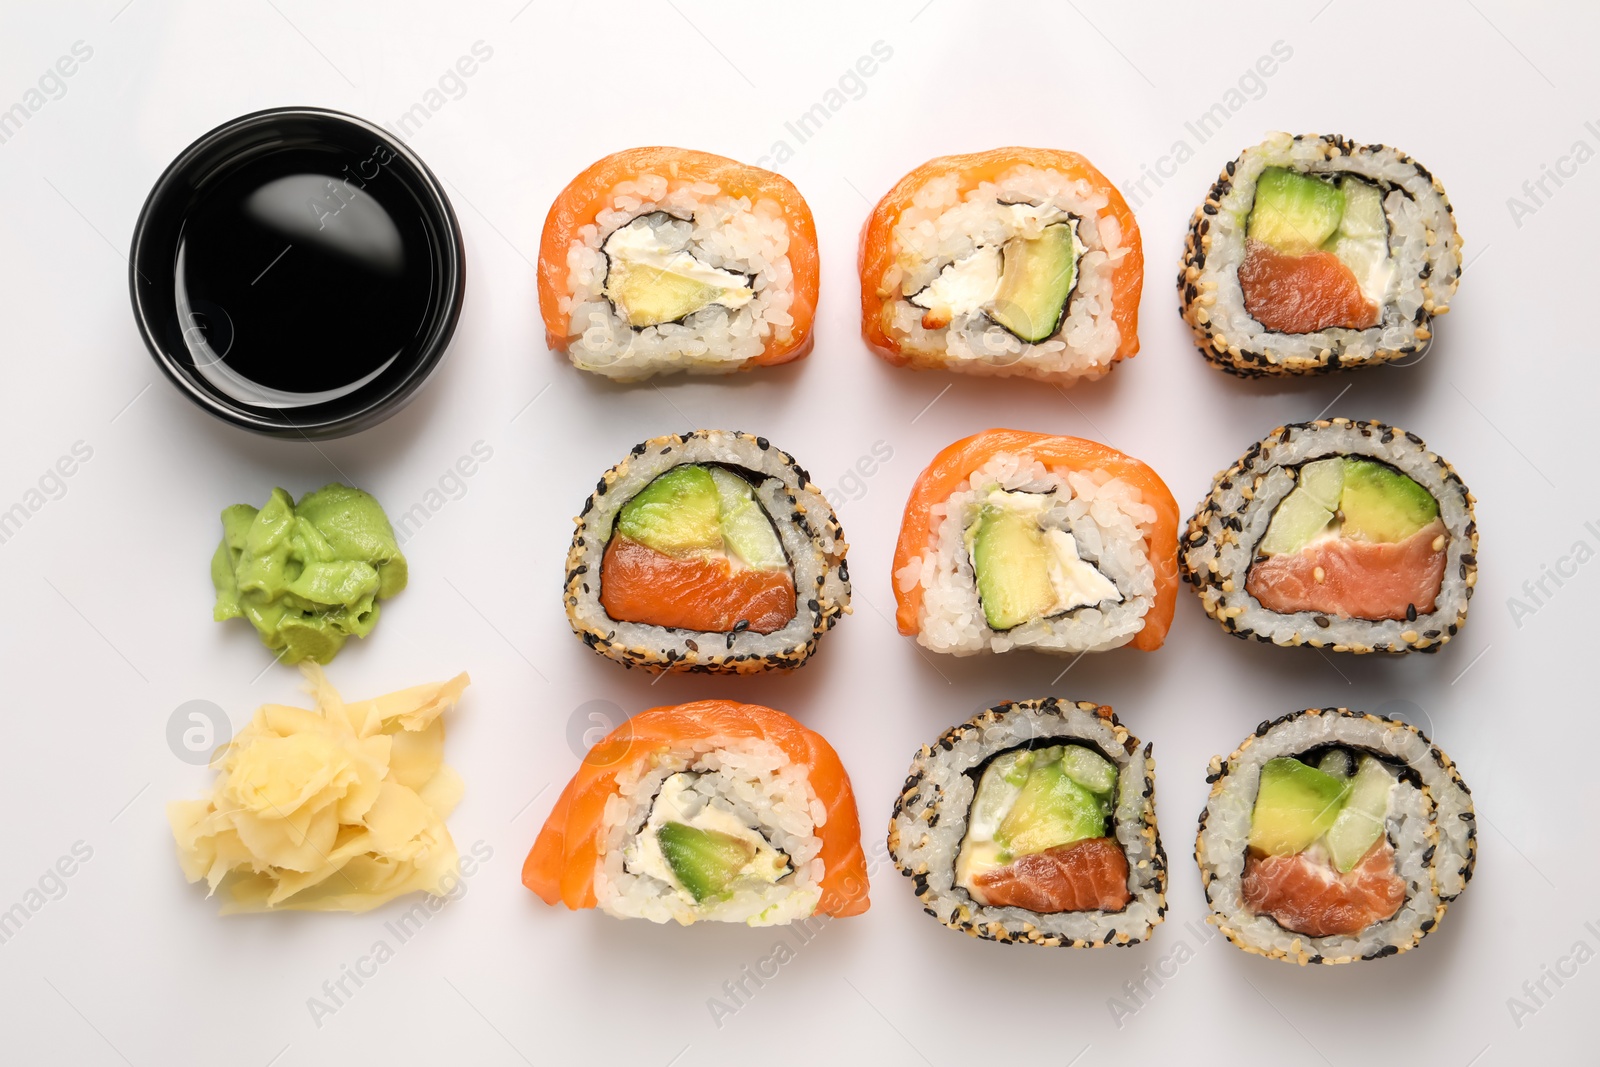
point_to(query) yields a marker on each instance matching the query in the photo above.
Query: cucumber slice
(1089, 769)
(1336, 763)
(998, 788)
(1363, 209)
(1323, 481)
(746, 529)
(1298, 519)
(1361, 822)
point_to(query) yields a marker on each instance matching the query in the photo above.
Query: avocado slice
(1298, 519)
(678, 513)
(746, 529)
(1361, 822)
(1381, 504)
(652, 277)
(1089, 769)
(1051, 810)
(649, 296)
(1295, 805)
(706, 862)
(1036, 278)
(1294, 213)
(1012, 563)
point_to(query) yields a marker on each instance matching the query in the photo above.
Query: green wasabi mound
(307, 575)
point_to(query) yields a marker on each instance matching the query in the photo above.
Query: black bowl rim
(441, 328)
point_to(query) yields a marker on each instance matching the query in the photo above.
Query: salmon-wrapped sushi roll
(1035, 824)
(1333, 836)
(709, 811)
(1026, 540)
(661, 259)
(1015, 261)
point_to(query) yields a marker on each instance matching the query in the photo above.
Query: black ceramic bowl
(297, 272)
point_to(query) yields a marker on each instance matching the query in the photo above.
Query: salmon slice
(1360, 579)
(561, 865)
(1302, 294)
(954, 465)
(702, 592)
(1089, 875)
(1314, 899)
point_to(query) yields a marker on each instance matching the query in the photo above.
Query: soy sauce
(302, 275)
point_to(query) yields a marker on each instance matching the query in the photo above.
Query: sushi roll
(1034, 824)
(1314, 254)
(1343, 535)
(1025, 540)
(1015, 261)
(1333, 836)
(709, 551)
(711, 811)
(657, 260)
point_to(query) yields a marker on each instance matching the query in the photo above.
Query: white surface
(106, 625)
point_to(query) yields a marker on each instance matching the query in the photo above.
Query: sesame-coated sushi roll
(711, 811)
(1333, 836)
(1015, 261)
(1350, 536)
(709, 552)
(1314, 254)
(1027, 540)
(661, 259)
(1034, 823)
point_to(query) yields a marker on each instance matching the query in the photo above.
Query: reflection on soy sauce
(301, 275)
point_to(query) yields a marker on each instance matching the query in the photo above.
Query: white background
(105, 626)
